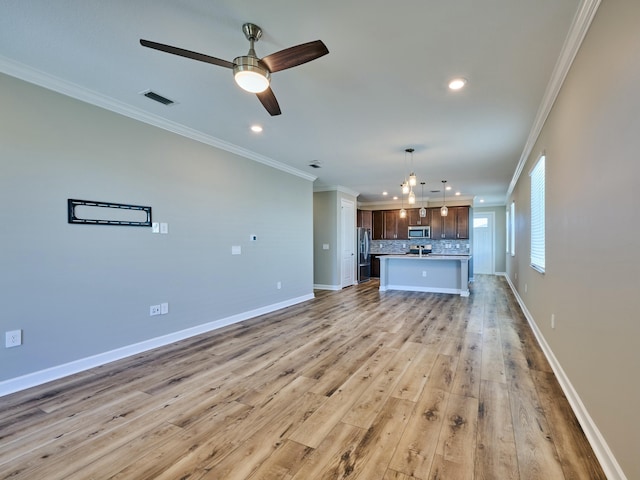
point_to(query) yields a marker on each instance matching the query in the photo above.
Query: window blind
(537, 215)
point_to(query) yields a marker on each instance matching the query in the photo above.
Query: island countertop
(439, 273)
(428, 256)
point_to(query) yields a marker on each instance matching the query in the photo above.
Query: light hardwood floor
(353, 384)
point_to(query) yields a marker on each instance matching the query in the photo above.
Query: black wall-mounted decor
(114, 213)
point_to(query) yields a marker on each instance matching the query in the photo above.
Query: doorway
(348, 237)
(484, 243)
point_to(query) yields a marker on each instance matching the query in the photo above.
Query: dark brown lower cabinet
(375, 266)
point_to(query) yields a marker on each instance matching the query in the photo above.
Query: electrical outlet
(279, 285)
(13, 338)
(154, 310)
(164, 308)
(424, 273)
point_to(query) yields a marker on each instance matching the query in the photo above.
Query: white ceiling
(381, 89)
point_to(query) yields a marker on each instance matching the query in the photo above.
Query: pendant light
(444, 211)
(423, 211)
(403, 212)
(413, 181)
(408, 185)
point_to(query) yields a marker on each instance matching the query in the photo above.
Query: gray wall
(79, 290)
(592, 140)
(325, 230)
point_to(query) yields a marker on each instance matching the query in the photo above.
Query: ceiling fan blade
(294, 56)
(268, 100)
(186, 53)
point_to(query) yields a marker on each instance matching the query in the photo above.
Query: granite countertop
(430, 256)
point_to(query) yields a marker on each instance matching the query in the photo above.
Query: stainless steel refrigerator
(364, 257)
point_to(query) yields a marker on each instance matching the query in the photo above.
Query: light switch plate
(155, 227)
(236, 250)
(164, 228)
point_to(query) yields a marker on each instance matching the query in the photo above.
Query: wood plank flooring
(356, 384)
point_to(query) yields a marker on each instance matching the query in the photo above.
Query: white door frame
(347, 224)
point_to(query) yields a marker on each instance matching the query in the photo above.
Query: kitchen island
(426, 273)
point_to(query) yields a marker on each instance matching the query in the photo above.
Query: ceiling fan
(251, 73)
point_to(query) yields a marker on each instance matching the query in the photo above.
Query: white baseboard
(59, 371)
(598, 443)
(319, 286)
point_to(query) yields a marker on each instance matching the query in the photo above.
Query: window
(506, 229)
(481, 222)
(537, 215)
(512, 229)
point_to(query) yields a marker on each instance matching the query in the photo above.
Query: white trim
(605, 456)
(82, 364)
(318, 286)
(72, 90)
(344, 202)
(572, 43)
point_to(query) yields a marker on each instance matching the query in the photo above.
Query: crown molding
(335, 188)
(581, 22)
(37, 77)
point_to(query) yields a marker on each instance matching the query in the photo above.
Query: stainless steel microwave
(419, 231)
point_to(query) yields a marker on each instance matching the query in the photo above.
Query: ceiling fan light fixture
(250, 75)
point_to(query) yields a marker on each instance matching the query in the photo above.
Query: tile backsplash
(454, 247)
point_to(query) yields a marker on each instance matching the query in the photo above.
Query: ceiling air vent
(158, 98)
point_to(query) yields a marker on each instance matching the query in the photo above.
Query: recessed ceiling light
(458, 193)
(482, 200)
(457, 83)
(385, 193)
(395, 198)
(256, 128)
(448, 188)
